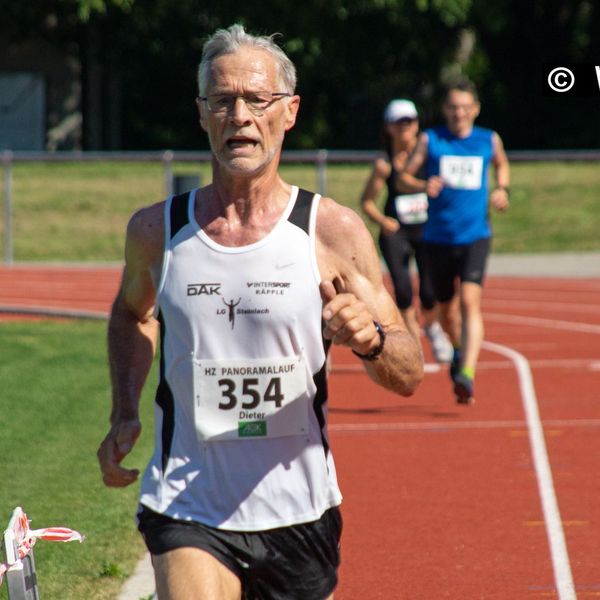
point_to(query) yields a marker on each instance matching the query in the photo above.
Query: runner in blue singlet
(457, 233)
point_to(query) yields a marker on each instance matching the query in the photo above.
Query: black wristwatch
(379, 349)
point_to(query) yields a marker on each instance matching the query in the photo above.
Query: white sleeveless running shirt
(241, 407)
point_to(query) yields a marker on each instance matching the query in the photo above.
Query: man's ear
(292, 107)
(201, 106)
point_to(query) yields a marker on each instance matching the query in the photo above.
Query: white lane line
(423, 426)
(452, 425)
(556, 536)
(47, 311)
(547, 306)
(555, 293)
(537, 322)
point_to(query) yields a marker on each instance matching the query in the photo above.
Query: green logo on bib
(252, 429)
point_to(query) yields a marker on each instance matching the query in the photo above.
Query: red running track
(442, 501)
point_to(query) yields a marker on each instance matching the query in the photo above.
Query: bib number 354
(241, 399)
(251, 395)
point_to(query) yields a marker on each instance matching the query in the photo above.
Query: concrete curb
(140, 586)
(568, 264)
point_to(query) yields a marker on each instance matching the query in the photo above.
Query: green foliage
(85, 8)
(519, 39)
(111, 569)
(352, 57)
(452, 12)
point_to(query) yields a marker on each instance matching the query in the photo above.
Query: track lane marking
(450, 425)
(552, 519)
(538, 322)
(593, 309)
(571, 523)
(66, 313)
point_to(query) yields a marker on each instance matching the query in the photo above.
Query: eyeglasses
(256, 102)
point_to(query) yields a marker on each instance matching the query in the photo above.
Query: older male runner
(248, 280)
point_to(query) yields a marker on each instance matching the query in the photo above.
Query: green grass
(79, 211)
(555, 207)
(54, 411)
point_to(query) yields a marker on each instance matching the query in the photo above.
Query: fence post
(21, 579)
(7, 157)
(185, 183)
(167, 158)
(322, 172)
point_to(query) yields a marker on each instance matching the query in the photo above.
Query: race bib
(462, 172)
(249, 399)
(411, 208)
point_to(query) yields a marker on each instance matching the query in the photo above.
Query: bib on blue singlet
(249, 399)
(411, 208)
(462, 172)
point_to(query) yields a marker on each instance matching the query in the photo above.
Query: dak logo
(199, 289)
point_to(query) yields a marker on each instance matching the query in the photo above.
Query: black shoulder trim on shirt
(300, 215)
(179, 213)
(164, 399)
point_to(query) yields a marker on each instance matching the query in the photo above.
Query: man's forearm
(399, 367)
(131, 347)
(503, 175)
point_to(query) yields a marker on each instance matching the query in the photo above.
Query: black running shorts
(445, 263)
(289, 563)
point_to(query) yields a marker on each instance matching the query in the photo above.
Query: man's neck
(236, 211)
(248, 193)
(463, 132)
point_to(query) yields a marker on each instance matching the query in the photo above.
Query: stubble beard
(247, 165)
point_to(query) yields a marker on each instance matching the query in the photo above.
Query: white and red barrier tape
(21, 538)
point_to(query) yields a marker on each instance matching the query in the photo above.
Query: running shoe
(441, 347)
(463, 389)
(455, 364)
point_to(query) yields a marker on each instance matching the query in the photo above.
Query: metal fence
(319, 158)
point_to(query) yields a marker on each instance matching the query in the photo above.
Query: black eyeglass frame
(233, 97)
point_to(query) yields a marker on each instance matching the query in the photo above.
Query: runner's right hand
(114, 448)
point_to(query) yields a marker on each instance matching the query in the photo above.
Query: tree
(139, 61)
(518, 39)
(352, 56)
